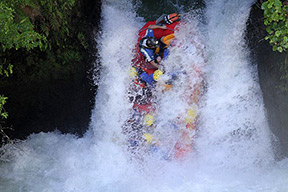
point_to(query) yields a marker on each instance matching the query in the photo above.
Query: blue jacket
(148, 78)
(146, 52)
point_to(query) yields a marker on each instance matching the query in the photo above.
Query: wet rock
(269, 63)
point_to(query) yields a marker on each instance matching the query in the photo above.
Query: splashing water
(232, 145)
(234, 129)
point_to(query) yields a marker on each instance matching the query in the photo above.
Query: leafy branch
(4, 115)
(276, 21)
(39, 39)
(16, 29)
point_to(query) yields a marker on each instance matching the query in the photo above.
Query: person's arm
(157, 26)
(154, 64)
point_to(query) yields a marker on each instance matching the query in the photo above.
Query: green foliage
(41, 40)
(56, 20)
(276, 21)
(3, 113)
(51, 26)
(16, 29)
(82, 40)
(6, 71)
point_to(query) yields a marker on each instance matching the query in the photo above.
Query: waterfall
(234, 129)
(233, 149)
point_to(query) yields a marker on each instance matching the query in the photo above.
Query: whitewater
(233, 142)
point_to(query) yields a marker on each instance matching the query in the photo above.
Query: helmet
(152, 42)
(148, 119)
(157, 74)
(148, 137)
(133, 72)
(191, 115)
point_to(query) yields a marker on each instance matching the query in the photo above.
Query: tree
(16, 31)
(41, 40)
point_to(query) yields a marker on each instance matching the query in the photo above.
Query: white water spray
(233, 140)
(116, 41)
(234, 130)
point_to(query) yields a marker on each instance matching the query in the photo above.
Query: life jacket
(167, 39)
(143, 108)
(168, 19)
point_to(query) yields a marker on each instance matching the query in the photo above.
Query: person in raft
(155, 50)
(145, 77)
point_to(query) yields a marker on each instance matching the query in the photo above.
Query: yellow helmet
(157, 74)
(191, 115)
(148, 137)
(148, 119)
(132, 72)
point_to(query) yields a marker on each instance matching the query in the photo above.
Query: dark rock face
(64, 103)
(92, 10)
(269, 63)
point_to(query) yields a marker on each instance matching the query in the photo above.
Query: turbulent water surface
(233, 150)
